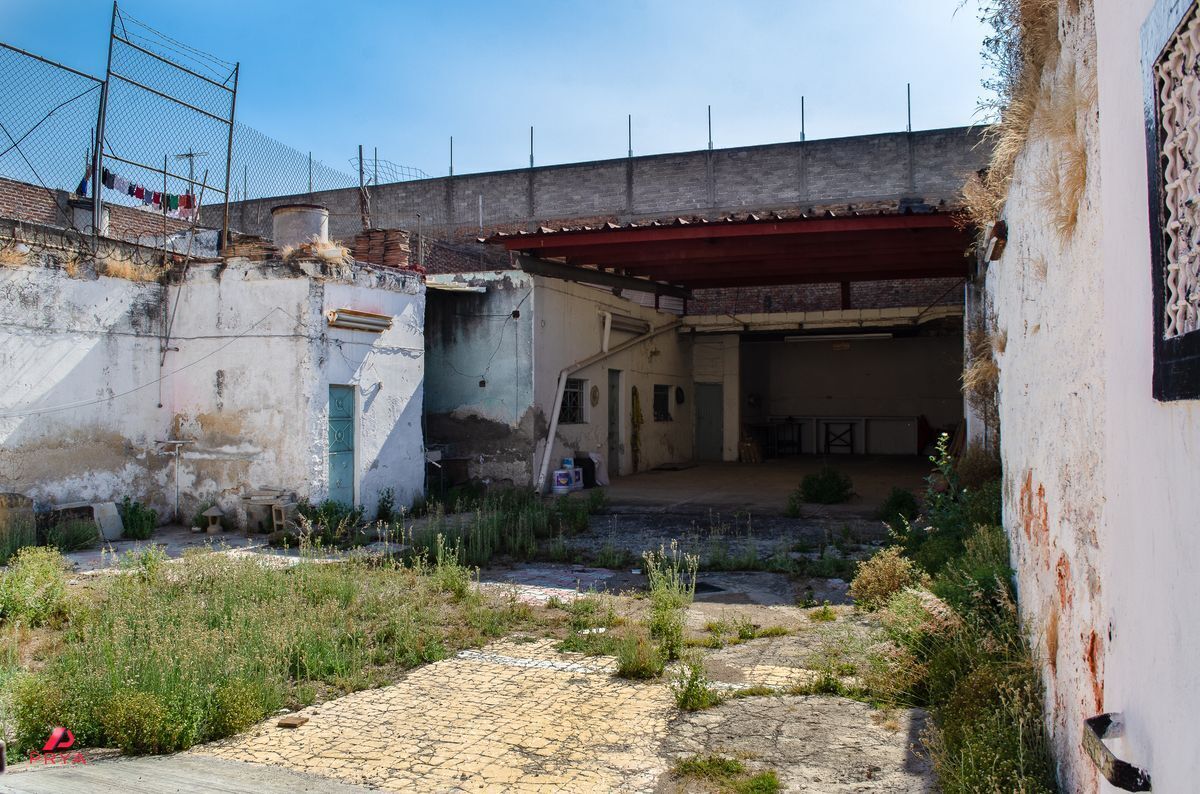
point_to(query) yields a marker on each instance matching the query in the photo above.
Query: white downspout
(548, 452)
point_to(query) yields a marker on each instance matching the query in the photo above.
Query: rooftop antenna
(531, 146)
(451, 155)
(710, 127)
(191, 156)
(801, 117)
(630, 121)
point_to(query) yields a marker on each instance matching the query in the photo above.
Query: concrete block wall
(929, 165)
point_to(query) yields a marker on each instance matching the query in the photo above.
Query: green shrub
(239, 703)
(825, 614)
(16, 533)
(33, 589)
(713, 768)
(826, 487)
(977, 467)
(763, 783)
(900, 502)
(989, 734)
(73, 534)
(138, 722)
(139, 520)
(385, 511)
(882, 576)
(952, 513)
(795, 505)
(672, 579)
(981, 575)
(637, 658)
(691, 688)
(597, 501)
(330, 523)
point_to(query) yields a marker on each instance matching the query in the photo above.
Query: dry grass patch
(1023, 43)
(129, 268)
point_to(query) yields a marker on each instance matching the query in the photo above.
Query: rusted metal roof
(907, 240)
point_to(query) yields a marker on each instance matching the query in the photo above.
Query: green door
(341, 444)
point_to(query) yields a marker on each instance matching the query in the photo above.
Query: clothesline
(155, 198)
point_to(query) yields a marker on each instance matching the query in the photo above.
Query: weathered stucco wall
(569, 328)
(1046, 298)
(73, 423)
(1101, 493)
(1149, 632)
(473, 338)
(245, 378)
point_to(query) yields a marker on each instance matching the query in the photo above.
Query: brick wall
(930, 165)
(35, 204)
(825, 297)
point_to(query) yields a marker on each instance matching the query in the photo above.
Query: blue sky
(404, 76)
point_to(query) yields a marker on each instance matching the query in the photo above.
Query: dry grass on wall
(981, 371)
(1024, 42)
(1062, 116)
(127, 267)
(14, 254)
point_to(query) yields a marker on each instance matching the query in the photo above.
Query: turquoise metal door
(341, 444)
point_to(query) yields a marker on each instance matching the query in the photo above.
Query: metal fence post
(237, 67)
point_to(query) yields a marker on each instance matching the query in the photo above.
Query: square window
(662, 403)
(1171, 74)
(571, 412)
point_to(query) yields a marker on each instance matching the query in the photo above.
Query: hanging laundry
(157, 199)
(108, 179)
(130, 191)
(120, 184)
(82, 190)
(139, 192)
(174, 201)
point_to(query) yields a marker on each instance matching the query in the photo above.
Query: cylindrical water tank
(294, 224)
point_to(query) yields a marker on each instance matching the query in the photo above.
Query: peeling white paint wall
(479, 387)
(1101, 486)
(1047, 298)
(569, 328)
(245, 379)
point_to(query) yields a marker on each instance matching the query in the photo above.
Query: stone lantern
(214, 515)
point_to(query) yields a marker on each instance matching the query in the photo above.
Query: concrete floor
(764, 487)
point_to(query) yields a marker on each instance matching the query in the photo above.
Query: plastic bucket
(561, 484)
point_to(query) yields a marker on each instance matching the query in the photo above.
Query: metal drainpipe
(544, 469)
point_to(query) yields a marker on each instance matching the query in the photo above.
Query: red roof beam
(701, 231)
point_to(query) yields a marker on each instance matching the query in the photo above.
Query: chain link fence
(166, 113)
(47, 130)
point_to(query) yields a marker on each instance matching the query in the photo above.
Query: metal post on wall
(364, 214)
(310, 172)
(801, 118)
(451, 155)
(98, 159)
(908, 92)
(629, 123)
(710, 127)
(531, 146)
(229, 154)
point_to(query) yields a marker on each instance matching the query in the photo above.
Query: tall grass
(172, 654)
(513, 523)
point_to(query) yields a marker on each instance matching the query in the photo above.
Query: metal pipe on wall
(548, 452)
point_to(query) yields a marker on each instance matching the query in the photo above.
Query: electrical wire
(159, 379)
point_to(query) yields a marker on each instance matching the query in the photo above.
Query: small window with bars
(1171, 74)
(571, 412)
(662, 403)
